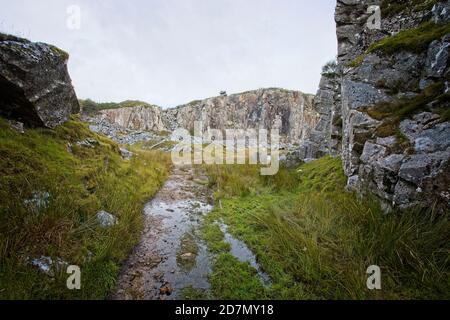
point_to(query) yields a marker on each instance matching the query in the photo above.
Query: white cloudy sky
(170, 52)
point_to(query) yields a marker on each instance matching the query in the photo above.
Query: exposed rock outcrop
(326, 136)
(392, 97)
(148, 118)
(35, 87)
(291, 112)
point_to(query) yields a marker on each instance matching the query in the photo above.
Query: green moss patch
(414, 40)
(393, 113)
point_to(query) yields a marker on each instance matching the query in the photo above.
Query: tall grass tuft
(316, 240)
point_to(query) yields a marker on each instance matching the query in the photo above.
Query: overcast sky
(169, 52)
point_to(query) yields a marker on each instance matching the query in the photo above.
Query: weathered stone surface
(388, 142)
(353, 183)
(405, 194)
(136, 118)
(441, 12)
(372, 152)
(35, 87)
(17, 126)
(374, 163)
(38, 201)
(88, 143)
(106, 219)
(326, 136)
(48, 265)
(290, 112)
(437, 58)
(421, 166)
(119, 133)
(392, 162)
(126, 154)
(426, 133)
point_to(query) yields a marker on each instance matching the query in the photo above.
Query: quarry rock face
(290, 112)
(35, 86)
(403, 158)
(147, 118)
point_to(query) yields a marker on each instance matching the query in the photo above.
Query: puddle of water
(180, 218)
(156, 269)
(241, 252)
(153, 271)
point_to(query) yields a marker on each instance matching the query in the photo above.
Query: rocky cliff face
(35, 87)
(387, 104)
(149, 118)
(291, 112)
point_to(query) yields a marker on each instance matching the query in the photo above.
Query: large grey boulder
(35, 86)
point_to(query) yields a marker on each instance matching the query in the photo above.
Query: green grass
(191, 293)
(235, 280)
(316, 241)
(212, 234)
(150, 145)
(80, 183)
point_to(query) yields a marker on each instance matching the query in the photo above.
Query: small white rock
(106, 219)
(126, 154)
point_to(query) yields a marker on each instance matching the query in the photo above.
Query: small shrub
(330, 69)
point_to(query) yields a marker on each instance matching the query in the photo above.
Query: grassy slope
(316, 241)
(80, 183)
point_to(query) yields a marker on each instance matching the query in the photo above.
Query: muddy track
(170, 257)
